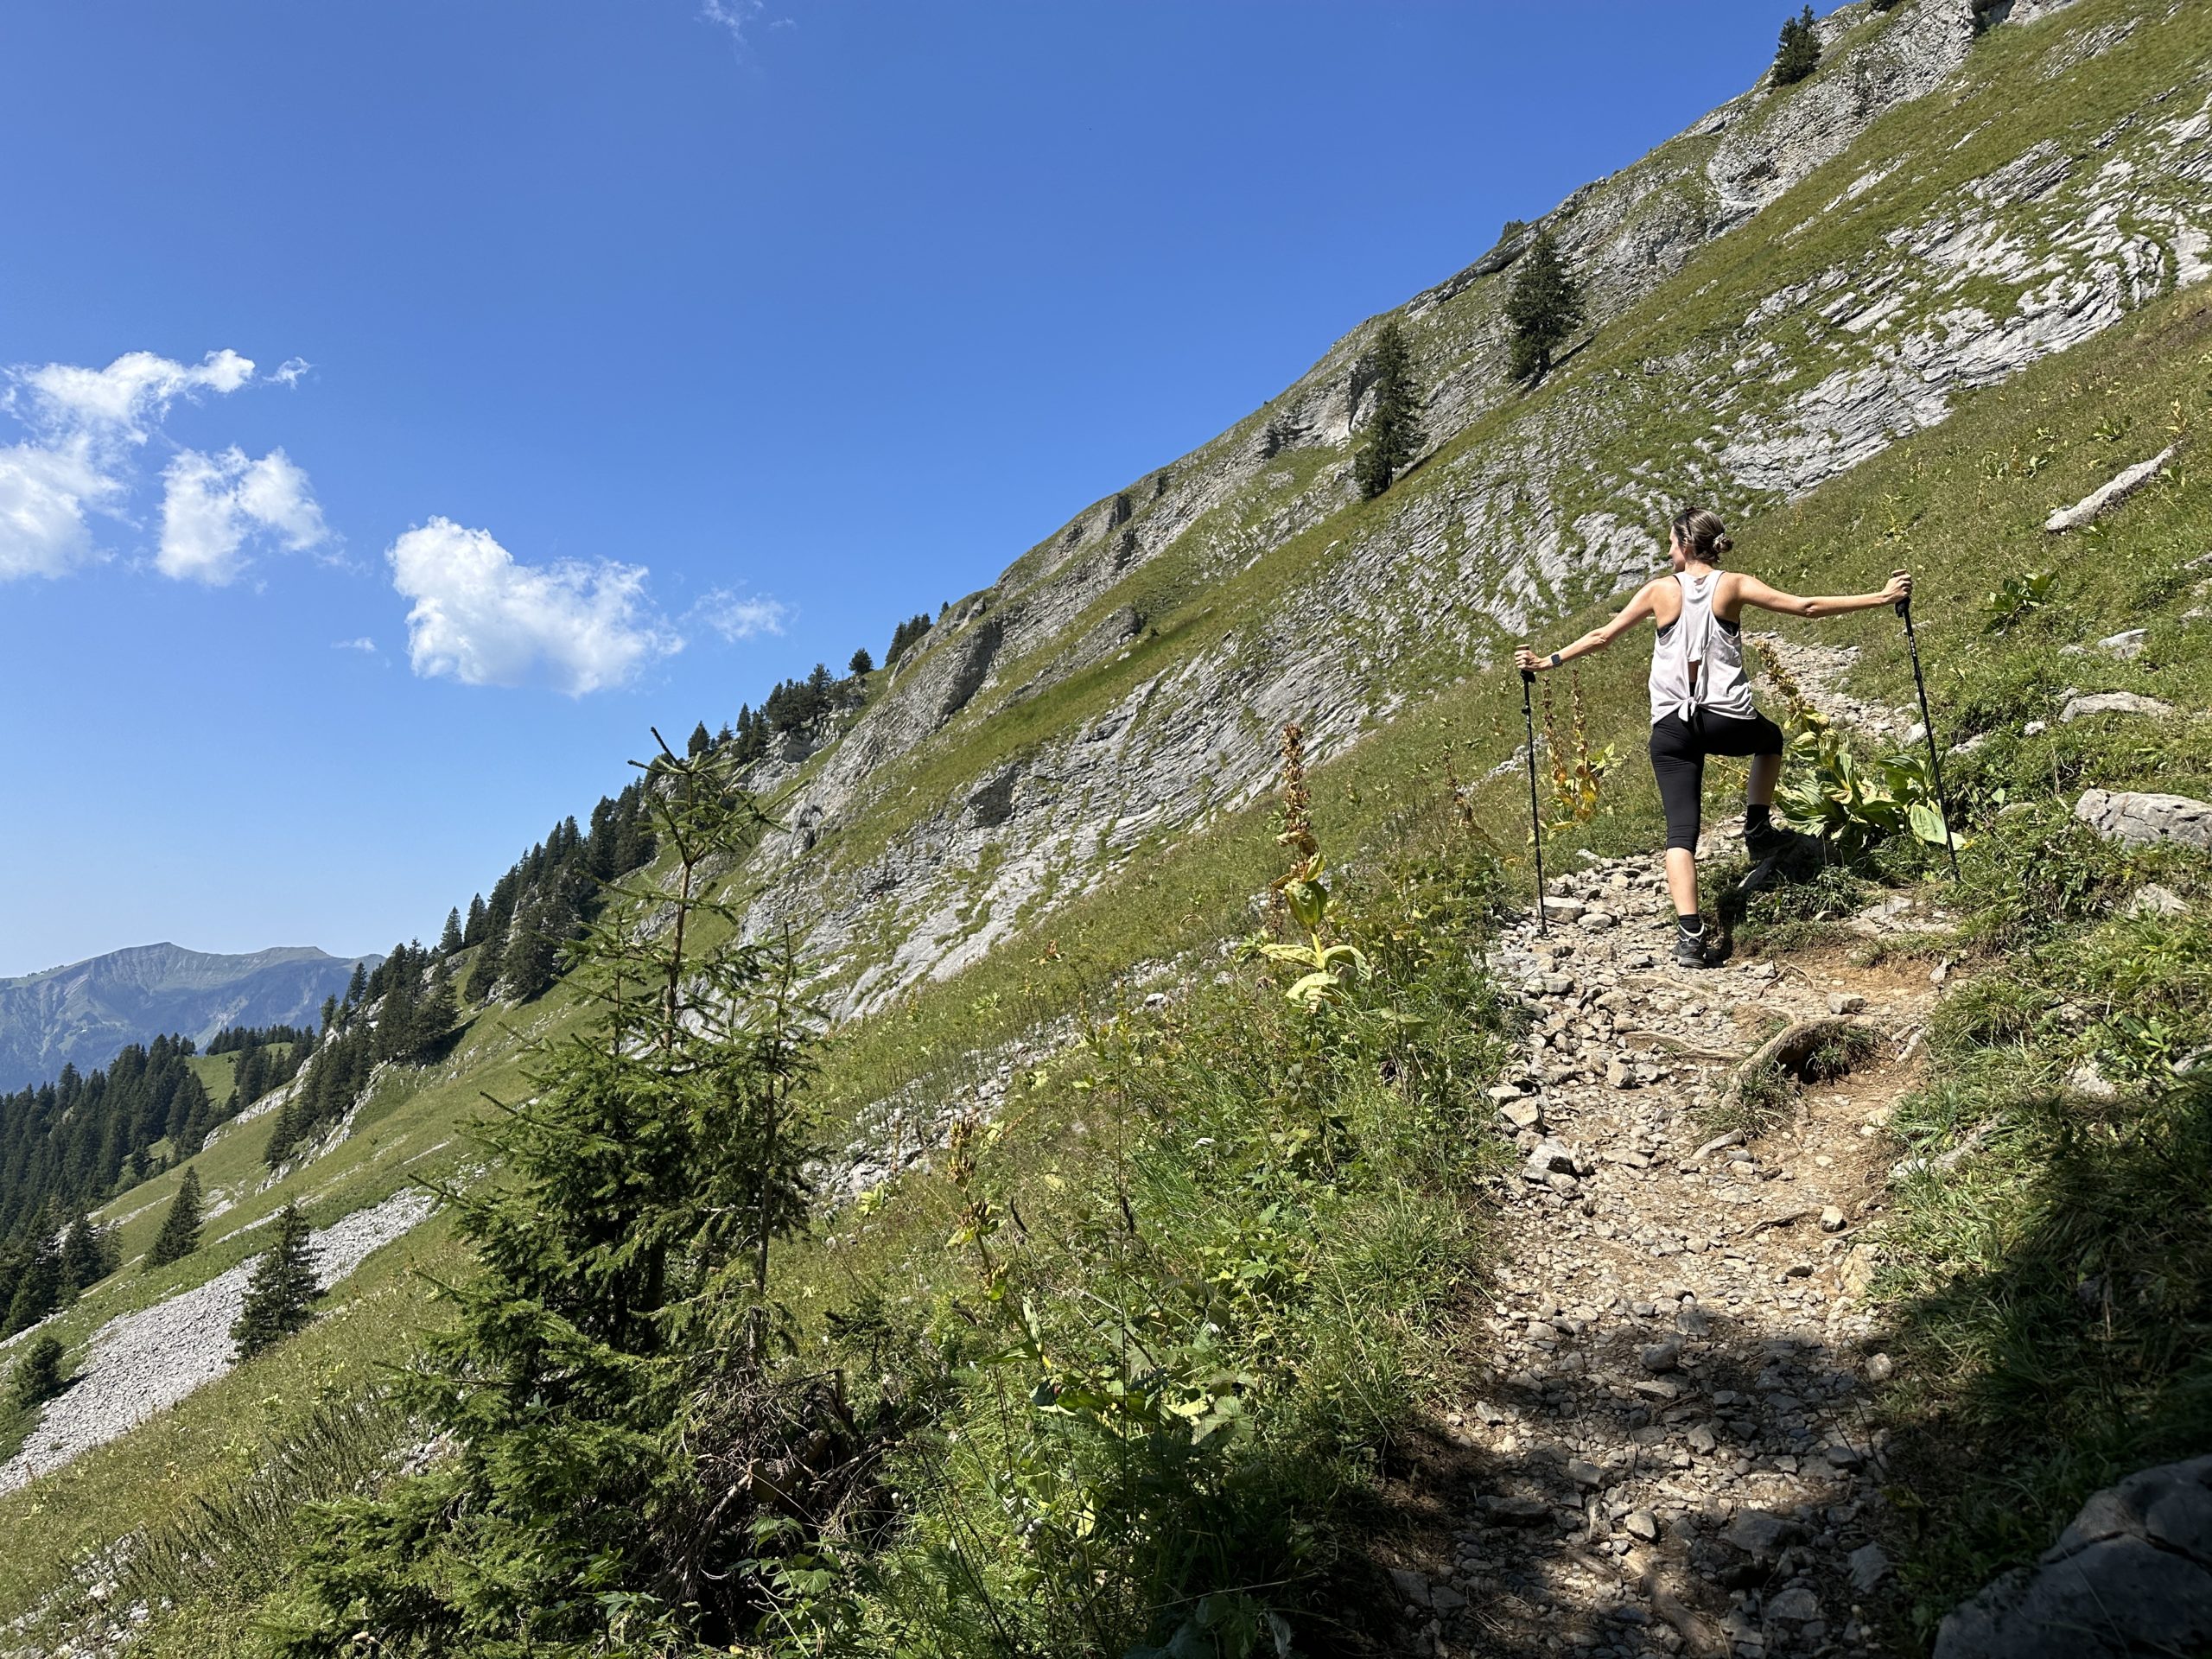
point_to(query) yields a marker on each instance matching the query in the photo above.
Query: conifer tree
(282, 1286)
(435, 1012)
(1543, 307)
(179, 1234)
(38, 1289)
(87, 1256)
(37, 1376)
(1798, 53)
(449, 940)
(861, 664)
(623, 1308)
(1393, 431)
(702, 740)
(472, 931)
(357, 988)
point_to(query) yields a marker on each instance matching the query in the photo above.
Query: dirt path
(1670, 1453)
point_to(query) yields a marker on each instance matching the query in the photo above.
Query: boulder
(2093, 505)
(2131, 1575)
(2127, 644)
(2111, 702)
(2141, 820)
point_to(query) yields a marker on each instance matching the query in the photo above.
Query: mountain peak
(82, 1012)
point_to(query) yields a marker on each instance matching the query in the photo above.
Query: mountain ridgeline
(80, 1016)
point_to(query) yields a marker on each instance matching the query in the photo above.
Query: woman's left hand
(1526, 660)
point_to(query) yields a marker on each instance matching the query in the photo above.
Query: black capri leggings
(1678, 750)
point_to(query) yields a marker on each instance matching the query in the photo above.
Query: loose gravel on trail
(1670, 1451)
(143, 1362)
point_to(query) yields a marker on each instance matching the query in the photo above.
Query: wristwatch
(1555, 659)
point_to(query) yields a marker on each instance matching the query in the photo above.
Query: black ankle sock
(1756, 817)
(1690, 927)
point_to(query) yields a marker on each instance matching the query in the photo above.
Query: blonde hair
(1702, 535)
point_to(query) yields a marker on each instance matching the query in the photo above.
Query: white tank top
(1698, 637)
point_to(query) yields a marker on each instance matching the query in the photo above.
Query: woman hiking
(1700, 702)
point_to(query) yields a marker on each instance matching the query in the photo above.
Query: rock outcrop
(2141, 820)
(2132, 1575)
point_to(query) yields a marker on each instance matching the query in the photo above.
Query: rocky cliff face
(1776, 295)
(82, 1014)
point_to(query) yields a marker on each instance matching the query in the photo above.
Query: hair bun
(1723, 545)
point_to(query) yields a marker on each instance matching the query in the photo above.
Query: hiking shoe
(1766, 841)
(1689, 950)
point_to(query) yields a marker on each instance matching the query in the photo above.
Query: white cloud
(288, 372)
(119, 399)
(85, 424)
(480, 618)
(365, 645)
(738, 616)
(211, 503)
(739, 16)
(44, 492)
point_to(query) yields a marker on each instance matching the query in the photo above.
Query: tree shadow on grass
(2076, 1349)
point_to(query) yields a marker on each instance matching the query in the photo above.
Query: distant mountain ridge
(83, 1013)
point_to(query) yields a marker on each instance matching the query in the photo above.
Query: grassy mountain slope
(958, 847)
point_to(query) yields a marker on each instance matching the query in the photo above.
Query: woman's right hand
(1900, 588)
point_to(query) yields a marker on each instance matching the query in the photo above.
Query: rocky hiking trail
(1668, 1449)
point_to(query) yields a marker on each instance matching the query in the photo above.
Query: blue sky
(407, 403)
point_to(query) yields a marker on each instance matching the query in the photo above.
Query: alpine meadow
(1082, 1133)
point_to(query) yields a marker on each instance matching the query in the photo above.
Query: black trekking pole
(1536, 821)
(1928, 730)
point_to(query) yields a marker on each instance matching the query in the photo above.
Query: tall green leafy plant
(1829, 791)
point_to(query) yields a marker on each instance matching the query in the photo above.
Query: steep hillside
(1802, 279)
(81, 1015)
(1085, 1161)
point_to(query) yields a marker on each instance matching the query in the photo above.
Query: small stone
(1880, 1367)
(1411, 1584)
(1798, 1605)
(1618, 1076)
(1563, 910)
(2035, 728)
(1702, 1440)
(1869, 1566)
(1661, 1356)
(1566, 1185)
(2127, 644)
(1846, 1002)
(1583, 1472)
(2112, 702)
(2151, 899)
(1444, 1599)
(1523, 1113)
(1596, 921)
(1643, 1525)
(1515, 1511)
(2087, 1079)
(1503, 1092)
(1757, 1532)
(1833, 1220)
(1844, 1457)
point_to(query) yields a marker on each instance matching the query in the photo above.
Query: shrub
(37, 1376)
